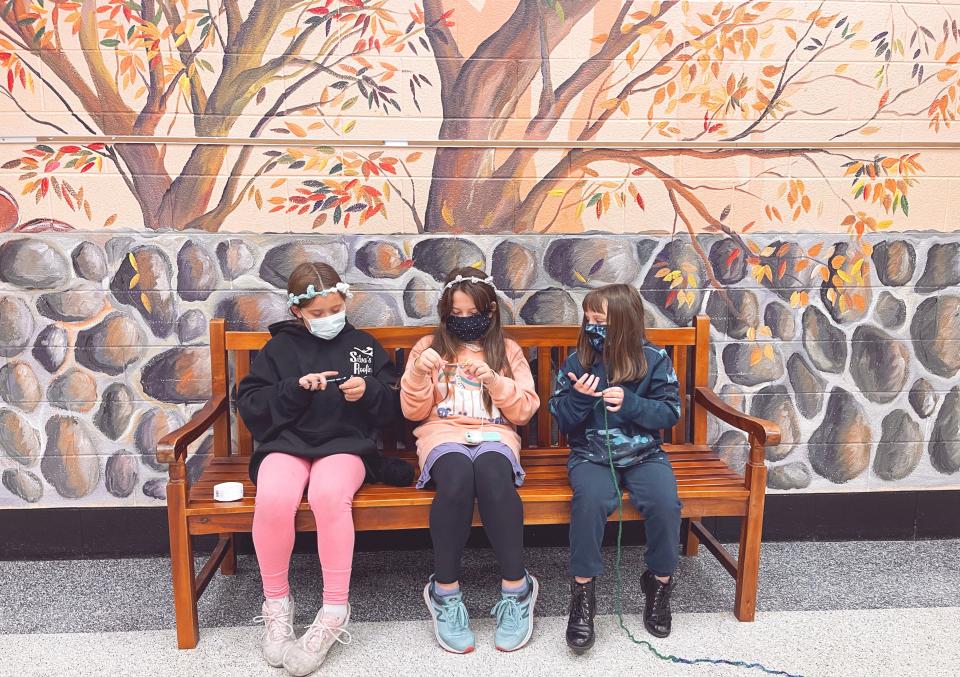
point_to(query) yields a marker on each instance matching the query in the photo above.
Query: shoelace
(581, 603)
(456, 615)
(313, 637)
(275, 623)
(507, 613)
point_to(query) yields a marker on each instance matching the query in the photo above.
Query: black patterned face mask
(468, 328)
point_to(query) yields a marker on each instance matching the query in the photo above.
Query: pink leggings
(333, 480)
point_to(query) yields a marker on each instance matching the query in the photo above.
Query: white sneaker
(309, 652)
(278, 633)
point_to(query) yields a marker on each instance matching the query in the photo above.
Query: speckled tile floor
(862, 643)
(817, 601)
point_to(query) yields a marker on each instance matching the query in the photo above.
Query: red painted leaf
(733, 256)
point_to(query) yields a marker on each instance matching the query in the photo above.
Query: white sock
(336, 612)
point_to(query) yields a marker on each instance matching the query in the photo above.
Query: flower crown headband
(460, 278)
(297, 299)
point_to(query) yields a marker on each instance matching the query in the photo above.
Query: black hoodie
(284, 417)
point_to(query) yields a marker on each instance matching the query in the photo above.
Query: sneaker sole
(533, 604)
(436, 631)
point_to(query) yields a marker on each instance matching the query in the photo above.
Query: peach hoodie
(449, 412)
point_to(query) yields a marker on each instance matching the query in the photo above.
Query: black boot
(656, 612)
(583, 605)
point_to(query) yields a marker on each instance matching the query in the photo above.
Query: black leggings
(490, 480)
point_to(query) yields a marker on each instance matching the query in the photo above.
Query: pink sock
(333, 482)
(280, 483)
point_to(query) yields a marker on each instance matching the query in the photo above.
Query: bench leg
(751, 531)
(689, 543)
(229, 565)
(181, 560)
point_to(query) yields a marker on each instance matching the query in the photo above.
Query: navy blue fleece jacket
(649, 406)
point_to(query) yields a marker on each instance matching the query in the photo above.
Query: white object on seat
(228, 491)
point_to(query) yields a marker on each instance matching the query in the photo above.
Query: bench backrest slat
(241, 367)
(544, 345)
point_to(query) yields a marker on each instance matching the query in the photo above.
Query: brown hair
(320, 275)
(484, 297)
(626, 333)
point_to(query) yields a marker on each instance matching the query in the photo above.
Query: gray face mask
(327, 327)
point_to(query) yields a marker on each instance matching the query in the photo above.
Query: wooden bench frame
(708, 487)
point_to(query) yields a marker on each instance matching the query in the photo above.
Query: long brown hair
(626, 333)
(484, 297)
(320, 275)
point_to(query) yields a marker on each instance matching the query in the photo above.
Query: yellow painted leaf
(134, 280)
(296, 129)
(133, 260)
(768, 352)
(867, 131)
(145, 300)
(755, 356)
(841, 68)
(580, 277)
(557, 192)
(447, 214)
(859, 44)
(477, 264)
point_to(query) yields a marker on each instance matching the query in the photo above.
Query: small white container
(228, 491)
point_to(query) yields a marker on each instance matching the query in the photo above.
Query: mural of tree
(642, 69)
(153, 53)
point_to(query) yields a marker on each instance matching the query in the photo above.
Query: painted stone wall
(831, 273)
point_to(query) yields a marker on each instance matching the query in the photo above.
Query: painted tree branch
(444, 45)
(198, 96)
(631, 87)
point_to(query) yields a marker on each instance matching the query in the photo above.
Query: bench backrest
(546, 347)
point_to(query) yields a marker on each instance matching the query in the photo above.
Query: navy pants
(653, 491)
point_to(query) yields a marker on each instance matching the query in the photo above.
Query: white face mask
(327, 327)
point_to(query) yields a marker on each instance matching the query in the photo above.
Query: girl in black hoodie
(313, 401)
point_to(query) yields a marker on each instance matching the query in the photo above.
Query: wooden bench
(708, 486)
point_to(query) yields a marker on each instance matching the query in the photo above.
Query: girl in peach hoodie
(470, 386)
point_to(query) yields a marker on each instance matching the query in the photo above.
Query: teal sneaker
(514, 614)
(451, 624)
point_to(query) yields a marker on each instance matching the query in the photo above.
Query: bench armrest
(173, 446)
(766, 432)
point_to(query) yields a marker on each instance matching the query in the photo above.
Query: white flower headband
(296, 299)
(460, 278)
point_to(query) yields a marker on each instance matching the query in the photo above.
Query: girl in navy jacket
(613, 396)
